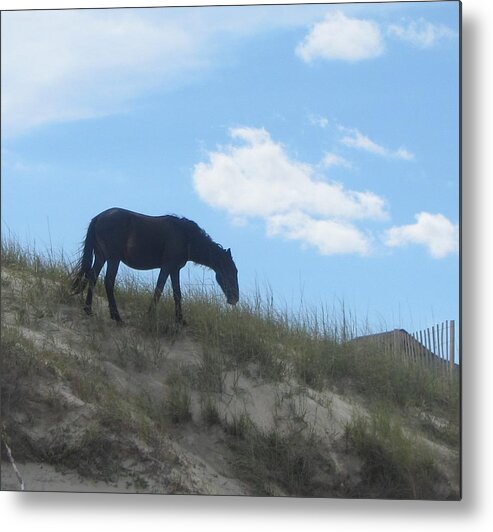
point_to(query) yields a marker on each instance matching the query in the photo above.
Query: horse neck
(204, 252)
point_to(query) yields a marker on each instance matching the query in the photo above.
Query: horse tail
(80, 276)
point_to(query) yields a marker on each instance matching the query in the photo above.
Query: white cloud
(402, 153)
(421, 33)
(341, 37)
(434, 231)
(258, 179)
(329, 237)
(320, 121)
(68, 65)
(332, 159)
(356, 139)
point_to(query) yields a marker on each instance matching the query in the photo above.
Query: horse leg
(109, 284)
(161, 281)
(93, 277)
(175, 283)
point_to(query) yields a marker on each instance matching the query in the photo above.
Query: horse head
(227, 276)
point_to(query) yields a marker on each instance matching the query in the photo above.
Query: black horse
(144, 243)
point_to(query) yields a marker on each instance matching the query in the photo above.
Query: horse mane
(196, 234)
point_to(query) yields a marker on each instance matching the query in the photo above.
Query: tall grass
(395, 465)
(49, 263)
(256, 339)
(269, 459)
(312, 347)
(316, 351)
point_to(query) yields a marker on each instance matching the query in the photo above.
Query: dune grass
(318, 358)
(269, 459)
(312, 349)
(395, 465)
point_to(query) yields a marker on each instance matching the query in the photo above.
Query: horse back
(142, 242)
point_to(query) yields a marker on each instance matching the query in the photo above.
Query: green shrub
(395, 466)
(274, 460)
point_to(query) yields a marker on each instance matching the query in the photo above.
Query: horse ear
(228, 251)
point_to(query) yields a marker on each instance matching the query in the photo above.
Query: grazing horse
(147, 242)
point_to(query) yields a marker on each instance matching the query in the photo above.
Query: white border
(77, 512)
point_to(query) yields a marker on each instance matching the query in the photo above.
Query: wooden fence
(439, 341)
(433, 347)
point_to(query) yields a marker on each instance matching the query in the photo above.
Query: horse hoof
(116, 317)
(88, 311)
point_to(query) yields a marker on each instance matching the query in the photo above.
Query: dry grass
(253, 340)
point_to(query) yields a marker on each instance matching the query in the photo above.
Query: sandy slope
(190, 457)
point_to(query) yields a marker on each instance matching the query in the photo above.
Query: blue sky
(319, 142)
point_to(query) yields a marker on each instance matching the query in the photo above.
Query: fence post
(412, 347)
(443, 364)
(452, 344)
(447, 337)
(433, 347)
(422, 339)
(443, 353)
(434, 343)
